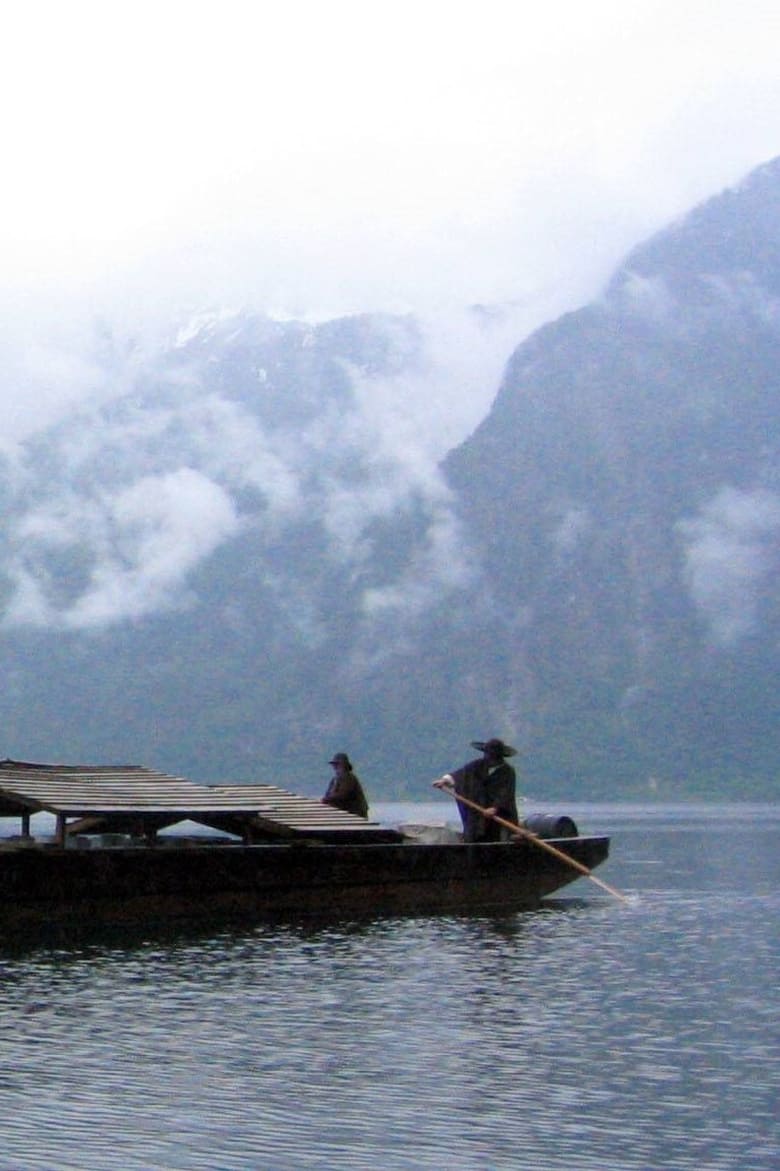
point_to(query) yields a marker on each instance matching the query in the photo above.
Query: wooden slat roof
(276, 804)
(114, 791)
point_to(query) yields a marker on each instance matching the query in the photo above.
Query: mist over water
(590, 1034)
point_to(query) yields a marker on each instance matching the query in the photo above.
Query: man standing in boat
(345, 790)
(490, 782)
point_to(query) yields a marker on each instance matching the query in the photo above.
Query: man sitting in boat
(490, 782)
(345, 790)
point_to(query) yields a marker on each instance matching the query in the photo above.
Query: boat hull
(137, 884)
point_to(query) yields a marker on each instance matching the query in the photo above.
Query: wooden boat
(110, 860)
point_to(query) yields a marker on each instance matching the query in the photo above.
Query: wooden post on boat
(521, 831)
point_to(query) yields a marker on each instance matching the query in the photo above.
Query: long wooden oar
(526, 833)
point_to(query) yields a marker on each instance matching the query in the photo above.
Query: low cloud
(134, 550)
(731, 555)
(151, 463)
(441, 563)
(573, 527)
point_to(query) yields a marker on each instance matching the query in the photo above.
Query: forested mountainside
(233, 563)
(624, 493)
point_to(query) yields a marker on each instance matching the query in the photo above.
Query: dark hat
(341, 758)
(494, 747)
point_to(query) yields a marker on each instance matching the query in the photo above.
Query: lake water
(591, 1034)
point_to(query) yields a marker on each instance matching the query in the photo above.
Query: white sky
(335, 156)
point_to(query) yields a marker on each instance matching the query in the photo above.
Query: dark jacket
(487, 786)
(346, 792)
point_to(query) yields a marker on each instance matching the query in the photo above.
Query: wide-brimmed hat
(494, 747)
(341, 758)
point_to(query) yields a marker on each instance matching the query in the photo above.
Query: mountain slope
(638, 439)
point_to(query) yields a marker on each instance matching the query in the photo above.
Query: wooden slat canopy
(132, 798)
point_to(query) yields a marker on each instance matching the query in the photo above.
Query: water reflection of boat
(255, 850)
